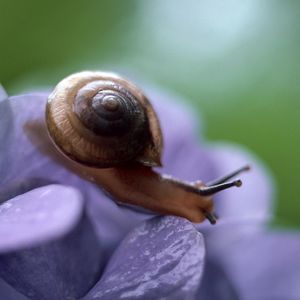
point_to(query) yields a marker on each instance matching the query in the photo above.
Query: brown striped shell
(102, 120)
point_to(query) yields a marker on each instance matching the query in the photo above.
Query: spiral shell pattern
(100, 119)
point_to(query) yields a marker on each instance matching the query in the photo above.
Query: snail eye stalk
(229, 176)
(212, 189)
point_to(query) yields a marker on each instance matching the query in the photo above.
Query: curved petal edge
(160, 259)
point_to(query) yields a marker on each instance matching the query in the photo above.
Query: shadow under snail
(108, 126)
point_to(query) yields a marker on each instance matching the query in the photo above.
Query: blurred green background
(236, 61)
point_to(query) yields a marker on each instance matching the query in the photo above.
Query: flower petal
(24, 116)
(261, 264)
(215, 284)
(273, 266)
(48, 248)
(160, 259)
(38, 216)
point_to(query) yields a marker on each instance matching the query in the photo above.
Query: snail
(108, 127)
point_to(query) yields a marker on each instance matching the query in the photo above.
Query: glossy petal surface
(160, 259)
(38, 216)
(49, 249)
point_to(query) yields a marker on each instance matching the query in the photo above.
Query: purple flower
(62, 237)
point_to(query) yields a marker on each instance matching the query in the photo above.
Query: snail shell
(102, 120)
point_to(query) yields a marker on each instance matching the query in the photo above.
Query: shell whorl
(102, 120)
(108, 109)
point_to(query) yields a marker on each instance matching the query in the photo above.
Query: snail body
(109, 127)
